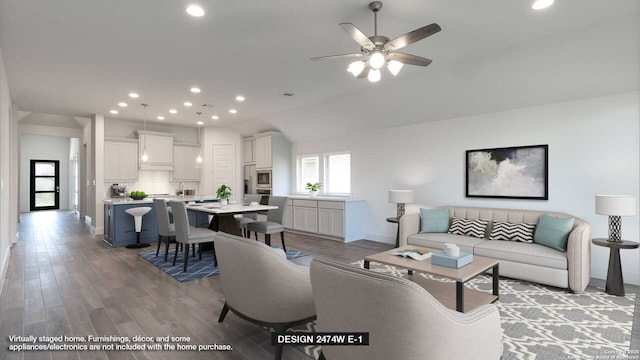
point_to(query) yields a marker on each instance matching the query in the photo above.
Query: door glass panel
(45, 184)
(45, 169)
(45, 199)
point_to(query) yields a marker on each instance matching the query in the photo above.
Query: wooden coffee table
(464, 298)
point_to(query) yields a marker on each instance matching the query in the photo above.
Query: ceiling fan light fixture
(541, 4)
(374, 75)
(394, 67)
(376, 60)
(356, 67)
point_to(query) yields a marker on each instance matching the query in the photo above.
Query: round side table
(396, 220)
(615, 283)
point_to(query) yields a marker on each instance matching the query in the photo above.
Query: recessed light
(200, 123)
(122, 104)
(541, 4)
(215, 117)
(195, 10)
(160, 117)
(134, 95)
(240, 98)
(114, 112)
(173, 111)
(187, 104)
(195, 90)
(233, 111)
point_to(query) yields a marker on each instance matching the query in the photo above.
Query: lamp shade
(400, 196)
(616, 205)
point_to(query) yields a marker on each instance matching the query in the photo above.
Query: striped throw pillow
(476, 228)
(512, 232)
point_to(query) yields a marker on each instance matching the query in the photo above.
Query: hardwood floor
(61, 280)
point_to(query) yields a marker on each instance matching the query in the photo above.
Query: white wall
(126, 129)
(39, 147)
(594, 148)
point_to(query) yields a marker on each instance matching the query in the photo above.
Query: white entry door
(224, 160)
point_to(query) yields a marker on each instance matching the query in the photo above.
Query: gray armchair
(261, 286)
(248, 217)
(189, 235)
(403, 320)
(166, 230)
(273, 225)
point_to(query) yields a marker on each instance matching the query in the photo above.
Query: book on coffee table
(413, 254)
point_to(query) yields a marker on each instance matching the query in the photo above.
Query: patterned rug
(196, 269)
(544, 322)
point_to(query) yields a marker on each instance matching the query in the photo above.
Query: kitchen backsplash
(154, 182)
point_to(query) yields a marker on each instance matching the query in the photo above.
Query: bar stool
(138, 213)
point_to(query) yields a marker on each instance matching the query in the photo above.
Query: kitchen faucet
(181, 187)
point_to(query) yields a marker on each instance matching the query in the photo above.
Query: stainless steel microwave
(263, 178)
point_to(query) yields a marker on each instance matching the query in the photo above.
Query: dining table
(223, 215)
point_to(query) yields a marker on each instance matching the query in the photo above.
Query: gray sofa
(526, 261)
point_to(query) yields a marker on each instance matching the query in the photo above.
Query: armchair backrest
(249, 199)
(181, 220)
(162, 216)
(277, 215)
(404, 321)
(259, 281)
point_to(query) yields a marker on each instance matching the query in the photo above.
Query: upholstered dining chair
(261, 286)
(166, 230)
(403, 320)
(248, 217)
(273, 225)
(189, 235)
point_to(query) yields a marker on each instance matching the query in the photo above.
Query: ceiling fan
(378, 50)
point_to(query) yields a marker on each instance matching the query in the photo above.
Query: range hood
(159, 149)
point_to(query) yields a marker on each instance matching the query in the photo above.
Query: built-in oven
(263, 179)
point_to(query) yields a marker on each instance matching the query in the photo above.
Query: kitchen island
(120, 228)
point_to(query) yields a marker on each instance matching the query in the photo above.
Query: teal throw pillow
(553, 232)
(434, 221)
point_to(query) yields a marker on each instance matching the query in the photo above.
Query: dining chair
(273, 225)
(166, 230)
(261, 286)
(248, 217)
(189, 235)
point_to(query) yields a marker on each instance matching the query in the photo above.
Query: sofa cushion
(553, 232)
(503, 230)
(476, 228)
(437, 241)
(520, 252)
(434, 221)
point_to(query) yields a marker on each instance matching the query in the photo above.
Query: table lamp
(400, 197)
(615, 206)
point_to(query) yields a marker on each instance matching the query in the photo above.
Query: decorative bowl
(138, 197)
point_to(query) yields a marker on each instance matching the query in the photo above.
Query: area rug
(197, 269)
(550, 323)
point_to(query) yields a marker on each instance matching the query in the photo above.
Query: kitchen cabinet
(120, 161)
(159, 147)
(288, 214)
(248, 151)
(263, 152)
(331, 218)
(185, 167)
(305, 215)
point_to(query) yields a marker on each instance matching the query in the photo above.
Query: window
(337, 173)
(308, 171)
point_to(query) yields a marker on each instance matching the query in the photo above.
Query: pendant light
(199, 158)
(145, 156)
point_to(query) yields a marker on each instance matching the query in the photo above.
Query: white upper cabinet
(185, 166)
(120, 161)
(249, 150)
(263, 152)
(159, 147)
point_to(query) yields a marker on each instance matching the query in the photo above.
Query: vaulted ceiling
(80, 57)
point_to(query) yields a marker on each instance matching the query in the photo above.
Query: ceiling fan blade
(337, 56)
(411, 37)
(410, 59)
(357, 35)
(365, 71)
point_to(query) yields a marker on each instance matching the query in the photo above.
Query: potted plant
(313, 188)
(223, 193)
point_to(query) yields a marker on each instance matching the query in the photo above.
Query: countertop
(149, 200)
(322, 197)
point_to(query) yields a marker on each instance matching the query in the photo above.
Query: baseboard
(387, 239)
(5, 266)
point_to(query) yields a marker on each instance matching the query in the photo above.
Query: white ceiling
(80, 57)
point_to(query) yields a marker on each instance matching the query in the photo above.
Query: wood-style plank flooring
(61, 280)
